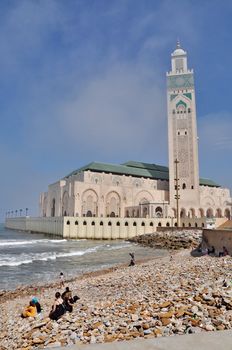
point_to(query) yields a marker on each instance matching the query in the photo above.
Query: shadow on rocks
(197, 252)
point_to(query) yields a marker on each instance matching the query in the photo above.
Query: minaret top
(179, 51)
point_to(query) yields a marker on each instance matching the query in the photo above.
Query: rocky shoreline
(170, 239)
(161, 297)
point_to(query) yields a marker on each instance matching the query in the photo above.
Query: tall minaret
(182, 132)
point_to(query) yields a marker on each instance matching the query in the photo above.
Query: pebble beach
(173, 295)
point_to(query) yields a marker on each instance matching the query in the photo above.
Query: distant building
(136, 189)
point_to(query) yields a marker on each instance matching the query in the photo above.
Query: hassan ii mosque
(135, 189)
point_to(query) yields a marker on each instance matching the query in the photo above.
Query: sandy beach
(160, 297)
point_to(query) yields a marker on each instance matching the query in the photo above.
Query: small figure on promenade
(58, 307)
(132, 262)
(62, 279)
(30, 310)
(37, 304)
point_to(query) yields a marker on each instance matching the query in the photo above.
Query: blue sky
(85, 80)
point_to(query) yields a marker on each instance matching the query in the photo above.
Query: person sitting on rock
(58, 308)
(30, 310)
(37, 304)
(68, 296)
(212, 250)
(224, 252)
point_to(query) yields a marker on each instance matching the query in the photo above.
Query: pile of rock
(169, 239)
(157, 298)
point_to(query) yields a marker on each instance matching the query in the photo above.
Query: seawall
(96, 228)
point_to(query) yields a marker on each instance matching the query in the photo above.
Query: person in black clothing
(212, 250)
(68, 296)
(58, 308)
(132, 262)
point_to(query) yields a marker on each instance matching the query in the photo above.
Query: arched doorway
(192, 213)
(90, 203)
(113, 204)
(145, 212)
(174, 212)
(218, 213)
(201, 213)
(209, 213)
(227, 213)
(183, 213)
(65, 204)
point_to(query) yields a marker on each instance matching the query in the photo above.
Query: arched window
(126, 223)
(184, 186)
(151, 224)
(93, 223)
(190, 224)
(183, 224)
(189, 110)
(118, 223)
(101, 223)
(167, 224)
(134, 223)
(109, 223)
(175, 224)
(196, 224)
(159, 224)
(158, 212)
(76, 222)
(68, 222)
(84, 223)
(142, 224)
(203, 225)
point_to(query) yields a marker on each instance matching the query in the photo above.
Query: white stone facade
(106, 190)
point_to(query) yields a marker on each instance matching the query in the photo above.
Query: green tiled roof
(136, 169)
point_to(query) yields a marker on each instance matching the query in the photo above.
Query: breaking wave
(6, 260)
(6, 243)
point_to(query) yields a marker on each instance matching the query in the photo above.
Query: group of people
(212, 250)
(63, 303)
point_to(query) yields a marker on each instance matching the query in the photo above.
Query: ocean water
(27, 258)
